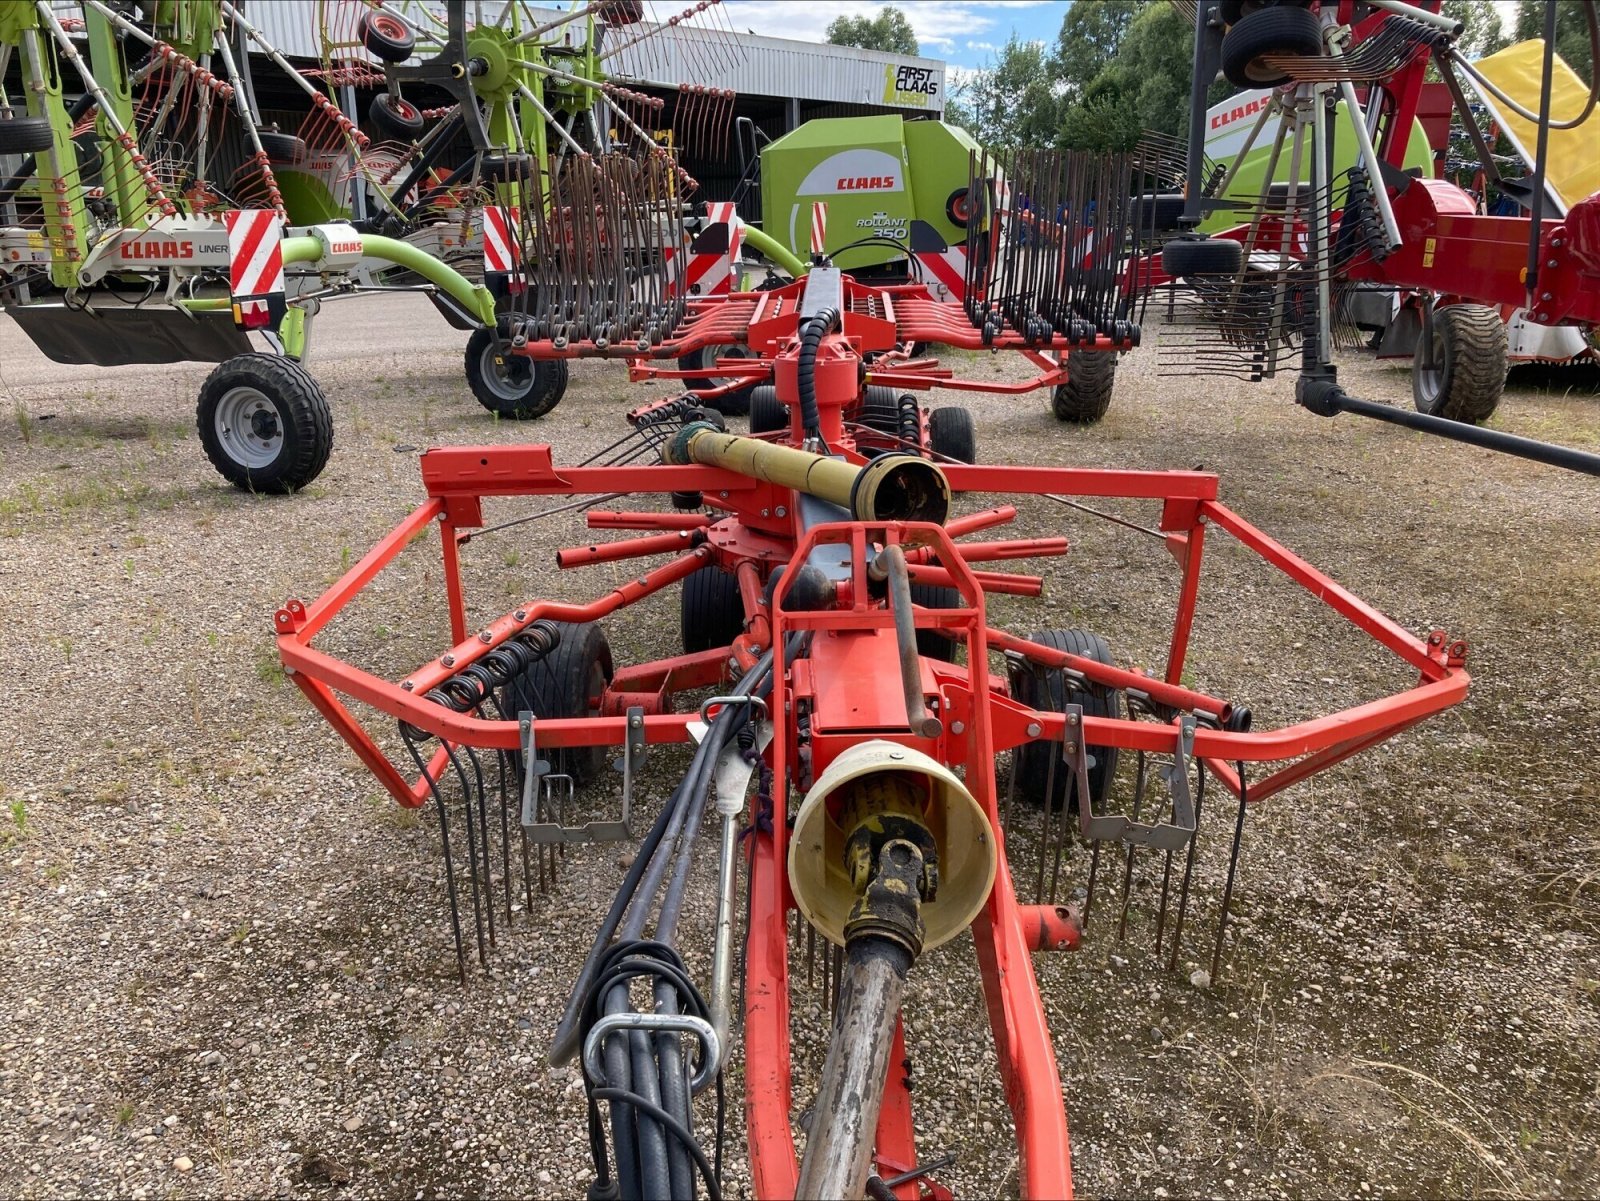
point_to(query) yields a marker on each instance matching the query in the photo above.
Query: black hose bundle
(646, 1079)
(811, 335)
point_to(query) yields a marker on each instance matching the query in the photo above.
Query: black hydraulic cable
(810, 339)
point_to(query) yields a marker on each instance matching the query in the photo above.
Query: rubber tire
(621, 12)
(282, 147)
(1281, 29)
(732, 404)
(952, 432)
(1085, 397)
(1159, 212)
(1234, 11)
(562, 682)
(547, 381)
(25, 135)
(1469, 341)
(385, 38)
(1031, 761)
(933, 644)
(1182, 258)
(395, 118)
(504, 168)
(768, 414)
(710, 610)
(303, 416)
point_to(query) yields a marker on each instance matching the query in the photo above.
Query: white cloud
(990, 46)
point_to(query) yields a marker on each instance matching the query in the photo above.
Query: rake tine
(1233, 864)
(483, 828)
(811, 953)
(1127, 872)
(1188, 875)
(472, 853)
(505, 842)
(444, 842)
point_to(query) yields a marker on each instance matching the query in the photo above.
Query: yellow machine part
(1573, 169)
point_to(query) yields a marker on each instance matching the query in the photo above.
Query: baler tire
(25, 135)
(1031, 761)
(264, 423)
(516, 388)
(386, 37)
(952, 434)
(710, 610)
(1282, 29)
(1467, 374)
(282, 148)
(565, 683)
(1085, 397)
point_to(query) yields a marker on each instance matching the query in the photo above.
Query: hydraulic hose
(820, 325)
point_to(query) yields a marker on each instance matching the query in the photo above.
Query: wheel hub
(248, 427)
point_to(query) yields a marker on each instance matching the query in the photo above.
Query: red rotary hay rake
(835, 610)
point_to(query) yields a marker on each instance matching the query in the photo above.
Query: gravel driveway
(228, 962)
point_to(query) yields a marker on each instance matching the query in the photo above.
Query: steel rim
(248, 427)
(1430, 375)
(509, 377)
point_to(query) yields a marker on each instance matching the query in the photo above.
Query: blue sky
(964, 33)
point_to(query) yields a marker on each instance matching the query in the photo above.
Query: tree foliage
(1572, 33)
(889, 31)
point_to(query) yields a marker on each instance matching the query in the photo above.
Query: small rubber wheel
(936, 644)
(25, 135)
(1159, 212)
(1184, 258)
(1047, 690)
(733, 404)
(1461, 372)
(282, 147)
(880, 410)
(506, 168)
(1285, 29)
(620, 12)
(1085, 397)
(768, 414)
(710, 610)
(395, 118)
(1234, 11)
(512, 385)
(952, 434)
(264, 423)
(568, 682)
(958, 207)
(386, 37)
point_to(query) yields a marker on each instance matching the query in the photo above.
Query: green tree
(1481, 34)
(1013, 101)
(1572, 33)
(1091, 35)
(889, 31)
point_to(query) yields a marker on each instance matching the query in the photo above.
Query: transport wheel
(952, 433)
(620, 12)
(1234, 11)
(768, 414)
(282, 147)
(1461, 371)
(1047, 689)
(24, 135)
(880, 410)
(568, 682)
(513, 386)
(1182, 258)
(386, 37)
(505, 168)
(395, 118)
(1085, 397)
(733, 404)
(264, 423)
(710, 610)
(936, 644)
(1281, 29)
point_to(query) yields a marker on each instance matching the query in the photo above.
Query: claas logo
(866, 183)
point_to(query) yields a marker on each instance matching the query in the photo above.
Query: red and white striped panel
(502, 253)
(945, 273)
(711, 255)
(819, 226)
(255, 266)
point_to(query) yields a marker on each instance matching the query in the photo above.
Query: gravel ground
(229, 967)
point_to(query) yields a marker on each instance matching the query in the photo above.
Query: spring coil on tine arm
(473, 685)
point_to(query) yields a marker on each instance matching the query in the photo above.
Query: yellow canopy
(1574, 154)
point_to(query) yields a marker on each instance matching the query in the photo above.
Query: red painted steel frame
(751, 543)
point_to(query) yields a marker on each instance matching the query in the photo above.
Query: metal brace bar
(534, 768)
(681, 1023)
(1166, 836)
